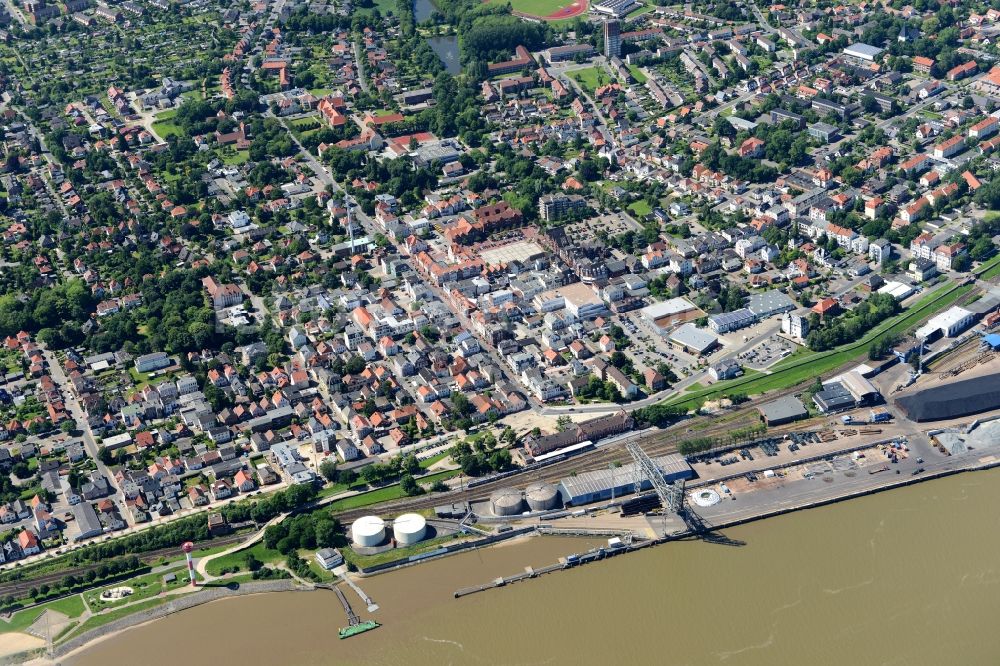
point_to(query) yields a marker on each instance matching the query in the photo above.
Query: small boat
(360, 628)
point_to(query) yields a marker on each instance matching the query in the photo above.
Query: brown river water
(910, 576)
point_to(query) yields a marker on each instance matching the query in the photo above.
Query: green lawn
(235, 158)
(540, 8)
(799, 368)
(990, 268)
(337, 488)
(239, 559)
(591, 78)
(143, 587)
(96, 621)
(68, 606)
(437, 457)
(383, 6)
(637, 73)
(645, 9)
(387, 493)
(308, 122)
(640, 208)
(165, 126)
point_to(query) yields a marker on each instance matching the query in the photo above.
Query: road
(14, 11)
(563, 74)
(76, 411)
(767, 26)
(311, 160)
(360, 61)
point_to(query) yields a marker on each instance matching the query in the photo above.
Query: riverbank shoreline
(96, 636)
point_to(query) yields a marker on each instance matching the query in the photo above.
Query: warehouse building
(731, 321)
(694, 340)
(770, 303)
(833, 398)
(963, 398)
(670, 313)
(602, 484)
(864, 52)
(783, 410)
(949, 323)
(847, 391)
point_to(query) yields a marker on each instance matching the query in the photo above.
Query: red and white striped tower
(188, 547)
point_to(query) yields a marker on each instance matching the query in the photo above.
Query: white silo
(368, 531)
(409, 529)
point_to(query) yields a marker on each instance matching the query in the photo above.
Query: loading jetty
(574, 560)
(352, 618)
(355, 625)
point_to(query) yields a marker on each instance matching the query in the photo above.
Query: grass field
(799, 368)
(385, 494)
(437, 457)
(68, 606)
(239, 559)
(590, 78)
(534, 7)
(143, 587)
(383, 6)
(640, 208)
(637, 73)
(236, 157)
(165, 126)
(990, 268)
(104, 618)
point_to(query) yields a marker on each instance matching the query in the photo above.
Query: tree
(508, 435)
(409, 485)
(253, 564)
(67, 426)
(563, 423)
(327, 532)
(328, 468)
(461, 403)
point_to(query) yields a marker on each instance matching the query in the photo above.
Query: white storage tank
(409, 529)
(542, 497)
(368, 531)
(506, 502)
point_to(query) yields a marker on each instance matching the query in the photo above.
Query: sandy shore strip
(17, 642)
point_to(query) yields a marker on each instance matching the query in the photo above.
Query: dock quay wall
(902, 482)
(443, 551)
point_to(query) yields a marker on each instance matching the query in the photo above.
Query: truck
(880, 415)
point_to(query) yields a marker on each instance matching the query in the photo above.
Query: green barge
(360, 628)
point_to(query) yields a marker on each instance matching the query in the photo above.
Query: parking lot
(650, 348)
(767, 352)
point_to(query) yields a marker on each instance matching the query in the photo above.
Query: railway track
(658, 443)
